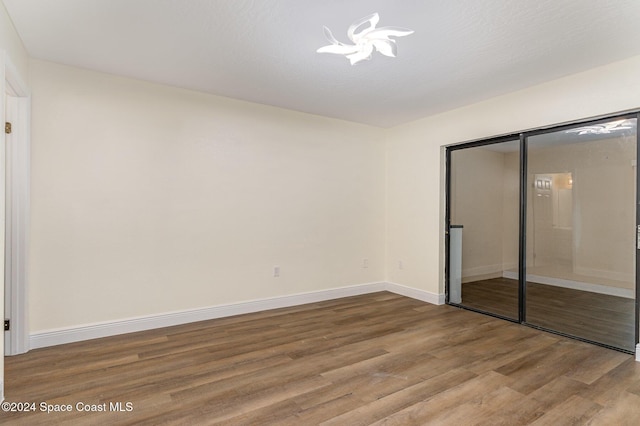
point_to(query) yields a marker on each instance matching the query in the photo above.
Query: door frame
(522, 257)
(16, 98)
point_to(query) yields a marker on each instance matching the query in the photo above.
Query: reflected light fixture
(366, 40)
(603, 129)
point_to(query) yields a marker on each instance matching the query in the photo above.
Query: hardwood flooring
(598, 317)
(372, 359)
(497, 295)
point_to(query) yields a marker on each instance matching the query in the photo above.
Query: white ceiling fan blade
(385, 47)
(386, 32)
(340, 49)
(363, 54)
(372, 19)
(617, 125)
(329, 35)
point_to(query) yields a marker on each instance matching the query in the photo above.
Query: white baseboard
(414, 293)
(607, 275)
(482, 270)
(576, 285)
(638, 352)
(104, 329)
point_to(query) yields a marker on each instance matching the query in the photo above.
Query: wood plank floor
(373, 359)
(598, 317)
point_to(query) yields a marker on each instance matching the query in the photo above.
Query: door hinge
(7, 127)
(7, 325)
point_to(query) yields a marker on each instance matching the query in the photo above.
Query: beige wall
(485, 200)
(511, 211)
(601, 241)
(148, 199)
(415, 172)
(477, 203)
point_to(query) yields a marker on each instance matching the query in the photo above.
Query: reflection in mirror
(579, 211)
(484, 206)
(580, 232)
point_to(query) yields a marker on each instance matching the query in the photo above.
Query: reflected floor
(598, 317)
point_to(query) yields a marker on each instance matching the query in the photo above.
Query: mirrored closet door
(542, 228)
(483, 228)
(581, 231)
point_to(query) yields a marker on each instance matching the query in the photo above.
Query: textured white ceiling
(264, 51)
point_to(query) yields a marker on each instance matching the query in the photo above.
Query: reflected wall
(484, 191)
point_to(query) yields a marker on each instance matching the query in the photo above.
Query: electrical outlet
(276, 271)
(400, 265)
(365, 263)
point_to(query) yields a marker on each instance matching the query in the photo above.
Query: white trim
(17, 207)
(414, 293)
(111, 328)
(607, 275)
(576, 285)
(638, 352)
(17, 222)
(3, 90)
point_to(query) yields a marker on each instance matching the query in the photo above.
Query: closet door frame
(522, 256)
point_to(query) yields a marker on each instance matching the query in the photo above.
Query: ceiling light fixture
(366, 40)
(603, 129)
